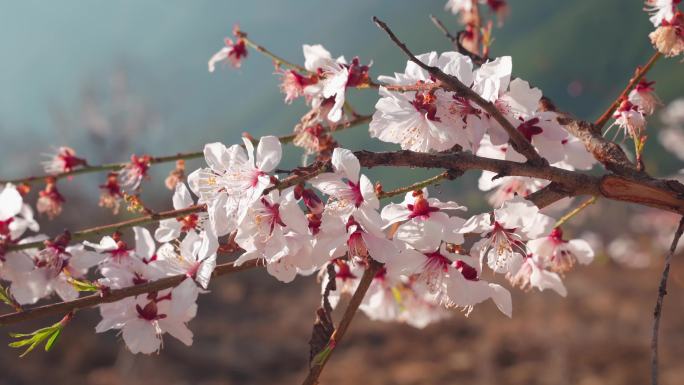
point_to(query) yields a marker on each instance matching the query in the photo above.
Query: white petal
(140, 336)
(11, 202)
(144, 243)
(269, 152)
(345, 162)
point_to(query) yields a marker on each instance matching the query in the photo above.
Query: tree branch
(657, 312)
(114, 295)
(518, 141)
(638, 75)
(349, 313)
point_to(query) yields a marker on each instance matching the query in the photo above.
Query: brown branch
(638, 75)
(349, 313)
(114, 295)
(518, 141)
(663, 194)
(657, 312)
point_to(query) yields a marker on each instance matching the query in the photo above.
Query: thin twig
(349, 313)
(518, 141)
(638, 75)
(657, 312)
(575, 211)
(276, 59)
(114, 295)
(440, 26)
(419, 185)
(111, 228)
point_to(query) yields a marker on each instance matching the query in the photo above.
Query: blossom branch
(111, 228)
(664, 194)
(518, 141)
(359, 120)
(276, 59)
(638, 75)
(349, 313)
(657, 312)
(115, 295)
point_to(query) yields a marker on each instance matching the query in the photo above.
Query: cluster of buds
(50, 200)
(668, 38)
(177, 175)
(135, 172)
(111, 193)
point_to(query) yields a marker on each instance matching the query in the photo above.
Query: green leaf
(47, 335)
(51, 341)
(84, 285)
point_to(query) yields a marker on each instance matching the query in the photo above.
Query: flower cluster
(668, 38)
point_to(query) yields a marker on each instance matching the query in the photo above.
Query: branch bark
(349, 313)
(657, 312)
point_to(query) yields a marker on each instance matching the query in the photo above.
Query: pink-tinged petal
(281, 270)
(82, 259)
(218, 216)
(450, 205)
(106, 244)
(346, 163)
(247, 256)
(368, 193)
(144, 243)
(315, 57)
(329, 184)
(492, 78)
(456, 64)
(451, 227)
(18, 262)
(408, 262)
(502, 299)
(537, 226)
(476, 224)
(582, 251)
(168, 230)
(182, 197)
(421, 235)
(370, 220)
(64, 289)
(523, 99)
(291, 214)
(140, 336)
(380, 248)
(215, 156)
(31, 287)
(11, 202)
(393, 213)
(218, 57)
(177, 329)
(486, 181)
(268, 154)
(249, 147)
(183, 301)
(542, 247)
(543, 279)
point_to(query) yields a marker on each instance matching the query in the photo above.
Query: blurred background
(114, 78)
